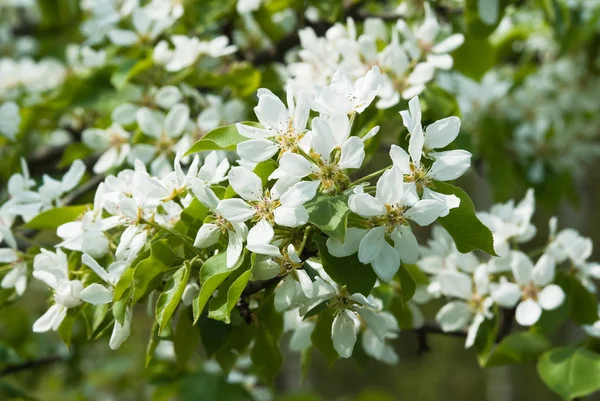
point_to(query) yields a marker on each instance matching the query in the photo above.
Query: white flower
(328, 135)
(164, 130)
(146, 27)
(87, 235)
(82, 59)
(10, 119)
(267, 208)
(120, 331)
(441, 254)
(188, 50)
(532, 288)
(373, 338)
(509, 222)
(283, 127)
(387, 214)
(114, 141)
(95, 293)
(473, 306)
(53, 269)
(421, 41)
(345, 96)
(219, 112)
(247, 6)
(209, 233)
(17, 276)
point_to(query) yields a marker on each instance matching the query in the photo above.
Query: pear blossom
(146, 28)
(17, 276)
(10, 119)
(532, 291)
(473, 304)
(165, 130)
(95, 293)
(422, 40)
(53, 269)
(345, 96)
(83, 59)
(509, 222)
(441, 254)
(114, 141)
(328, 135)
(188, 50)
(283, 127)
(386, 214)
(209, 233)
(164, 97)
(266, 207)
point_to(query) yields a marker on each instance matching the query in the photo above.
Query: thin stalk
(372, 175)
(304, 239)
(182, 237)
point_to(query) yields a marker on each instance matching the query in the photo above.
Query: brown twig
(31, 364)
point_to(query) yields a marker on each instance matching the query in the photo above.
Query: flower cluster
(408, 60)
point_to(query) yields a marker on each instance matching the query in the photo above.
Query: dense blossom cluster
(307, 216)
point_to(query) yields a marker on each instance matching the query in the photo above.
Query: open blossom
(343, 95)
(283, 127)
(266, 207)
(532, 291)
(10, 119)
(210, 232)
(447, 165)
(114, 141)
(327, 135)
(53, 269)
(510, 222)
(386, 214)
(147, 28)
(188, 50)
(17, 276)
(473, 304)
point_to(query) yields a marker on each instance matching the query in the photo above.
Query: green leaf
(149, 272)
(73, 151)
(486, 337)
(266, 354)
(212, 274)
(321, 337)
(128, 70)
(214, 334)
(570, 372)
(223, 138)
(237, 343)
(329, 214)
(186, 338)
(483, 16)
(582, 304)
(193, 215)
(463, 225)
(171, 296)
(347, 271)
(408, 286)
(230, 291)
(475, 57)
(53, 218)
(524, 346)
(242, 79)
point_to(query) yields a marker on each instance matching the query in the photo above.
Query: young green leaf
(463, 225)
(523, 346)
(223, 138)
(53, 218)
(266, 353)
(149, 272)
(329, 214)
(570, 372)
(230, 291)
(171, 296)
(347, 271)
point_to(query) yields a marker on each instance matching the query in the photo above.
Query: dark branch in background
(29, 365)
(82, 190)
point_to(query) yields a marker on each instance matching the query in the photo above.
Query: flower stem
(372, 175)
(304, 240)
(174, 233)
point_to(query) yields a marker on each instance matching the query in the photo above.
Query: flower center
(265, 208)
(530, 291)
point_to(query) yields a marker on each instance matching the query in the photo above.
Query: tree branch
(31, 364)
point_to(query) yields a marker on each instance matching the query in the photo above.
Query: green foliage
(150, 271)
(570, 372)
(321, 337)
(266, 354)
(347, 271)
(51, 219)
(329, 214)
(230, 290)
(475, 57)
(462, 223)
(523, 346)
(223, 138)
(171, 295)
